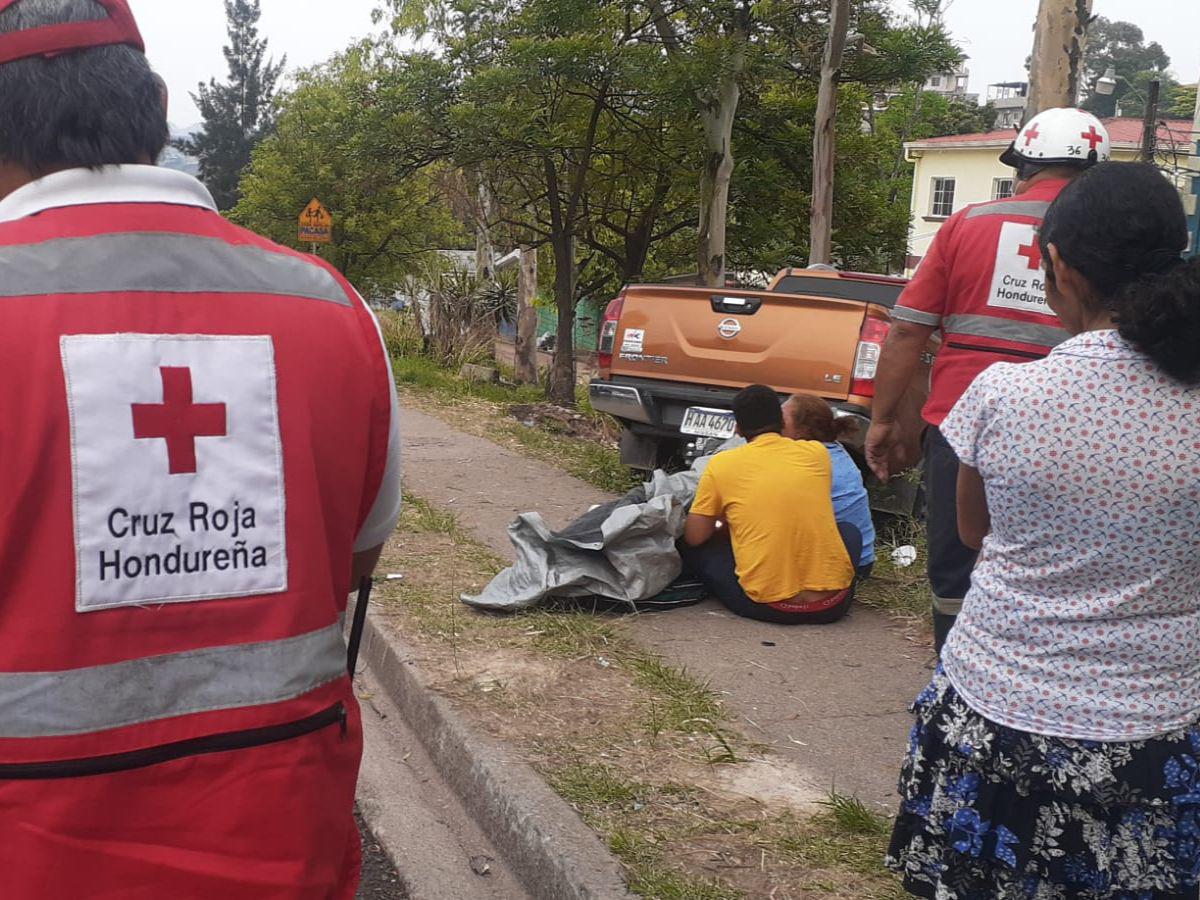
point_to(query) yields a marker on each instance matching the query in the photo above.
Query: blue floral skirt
(990, 812)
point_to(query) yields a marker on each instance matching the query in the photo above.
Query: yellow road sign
(316, 224)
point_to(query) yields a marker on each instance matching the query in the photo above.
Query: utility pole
(1150, 123)
(1057, 61)
(825, 136)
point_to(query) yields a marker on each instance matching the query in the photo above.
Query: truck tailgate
(732, 338)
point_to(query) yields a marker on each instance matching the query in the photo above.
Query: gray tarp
(623, 550)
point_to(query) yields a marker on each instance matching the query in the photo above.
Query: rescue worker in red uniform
(200, 457)
(981, 285)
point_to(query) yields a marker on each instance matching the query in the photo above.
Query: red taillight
(866, 359)
(608, 332)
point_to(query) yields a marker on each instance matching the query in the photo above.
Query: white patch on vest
(1019, 282)
(177, 498)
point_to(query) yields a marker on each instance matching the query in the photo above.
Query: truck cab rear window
(842, 289)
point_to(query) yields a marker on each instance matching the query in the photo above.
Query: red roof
(1125, 132)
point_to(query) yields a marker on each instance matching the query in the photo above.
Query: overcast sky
(998, 36)
(184, 40)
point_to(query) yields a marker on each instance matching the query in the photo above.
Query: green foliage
(238, 113)
(587, 139)
(334, 141)
(1122, 46)
(1181, 102)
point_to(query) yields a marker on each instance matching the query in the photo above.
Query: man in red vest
(200, 457)
(981, 285)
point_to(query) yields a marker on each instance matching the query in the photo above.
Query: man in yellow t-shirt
(762, 534)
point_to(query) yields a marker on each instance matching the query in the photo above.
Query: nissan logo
(729, 329)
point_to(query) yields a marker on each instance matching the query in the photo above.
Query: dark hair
(1123, 228)
(814, 417)
(757, 411)
(88, 108)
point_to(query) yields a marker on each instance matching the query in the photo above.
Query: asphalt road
(379, 878)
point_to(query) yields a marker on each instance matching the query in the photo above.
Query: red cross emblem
(1033, 253)
(1031, 135)
(178, 420)
(1092, 136)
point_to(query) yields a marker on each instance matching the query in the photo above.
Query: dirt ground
(647, 754)
(831, 702)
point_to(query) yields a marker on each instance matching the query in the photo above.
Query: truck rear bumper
(620, 401)
(652, 407)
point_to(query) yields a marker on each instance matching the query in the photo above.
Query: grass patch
(681, 702)
(653, 879)
(597, 464)
(426, 518)
(574, 634)
(902, 592)
(424, 373)
(845, 836)
(591, 788)
(851, 816)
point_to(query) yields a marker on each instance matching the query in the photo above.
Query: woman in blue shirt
(808, 418)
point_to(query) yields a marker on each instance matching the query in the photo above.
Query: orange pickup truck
(672, 357)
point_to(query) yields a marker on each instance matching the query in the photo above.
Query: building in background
(956, 171)
(952, 85)
(1009, 99)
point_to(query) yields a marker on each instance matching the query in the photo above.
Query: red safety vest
(982, 283)
(195, 426)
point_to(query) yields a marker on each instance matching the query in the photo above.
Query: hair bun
(1160, 315)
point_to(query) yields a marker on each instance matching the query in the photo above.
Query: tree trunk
(561, 388)
(485, 250)
(717, 116)
(825, 137)
(526, 339)
(1057, 60)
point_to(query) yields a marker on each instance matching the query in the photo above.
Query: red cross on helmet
(1060, 137)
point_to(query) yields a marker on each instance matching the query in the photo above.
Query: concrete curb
(554, 854)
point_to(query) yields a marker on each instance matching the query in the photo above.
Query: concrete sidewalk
(831, 702)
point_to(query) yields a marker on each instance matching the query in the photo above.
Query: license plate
(712, 423)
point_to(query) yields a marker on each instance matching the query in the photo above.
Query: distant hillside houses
(173, 158)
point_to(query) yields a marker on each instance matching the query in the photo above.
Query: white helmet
(1060, 137)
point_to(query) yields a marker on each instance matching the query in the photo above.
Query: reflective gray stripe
(1035, 209)
(81, 701)
(159, 263)
(947, 606)
(1005, 330)
(916, 316)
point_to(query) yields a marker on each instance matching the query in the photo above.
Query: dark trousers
(714, 565)
(950, 560)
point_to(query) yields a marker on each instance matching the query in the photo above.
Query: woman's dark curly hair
(1122, 226)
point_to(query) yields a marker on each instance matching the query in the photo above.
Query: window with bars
(942, 206)
(1002, 188)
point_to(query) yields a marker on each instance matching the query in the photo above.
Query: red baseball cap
(51, 40)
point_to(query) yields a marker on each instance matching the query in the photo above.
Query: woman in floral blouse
(1057, 752)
